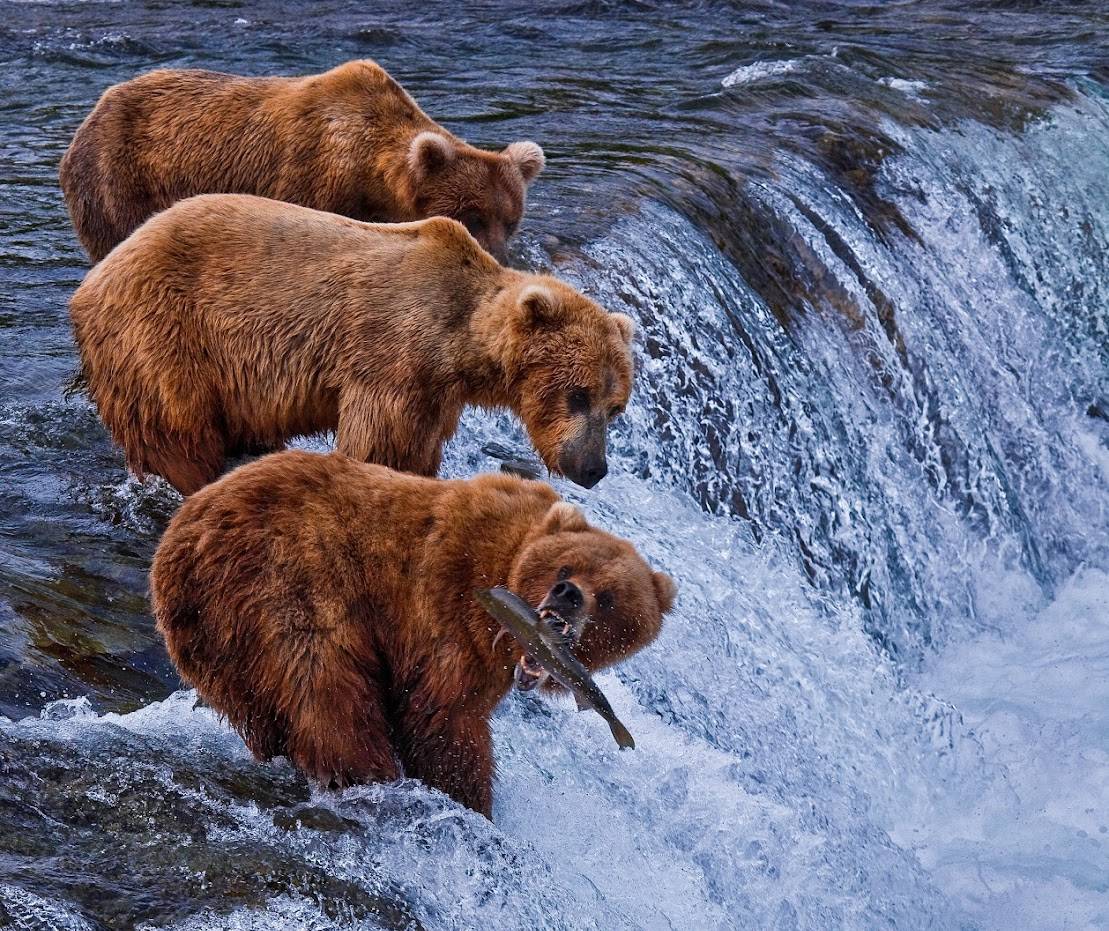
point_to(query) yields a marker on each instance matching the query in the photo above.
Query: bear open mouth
(558, 623)
(529, 674)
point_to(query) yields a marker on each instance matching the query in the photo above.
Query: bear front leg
(392, 430)
(338, 731)
(451, 751)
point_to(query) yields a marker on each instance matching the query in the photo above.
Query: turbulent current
(868, 250)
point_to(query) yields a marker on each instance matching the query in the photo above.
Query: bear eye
(605, 601)
(564, 573)
(577, 400)
(615, 411)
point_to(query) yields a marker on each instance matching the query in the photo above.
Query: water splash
(760, 71)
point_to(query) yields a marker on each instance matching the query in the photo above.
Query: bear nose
(592, 474)
(568, 594)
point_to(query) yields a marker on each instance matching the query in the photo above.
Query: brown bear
(347, 141)
(325, 607)
(229, 323)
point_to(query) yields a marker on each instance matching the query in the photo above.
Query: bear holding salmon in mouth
(326, 608)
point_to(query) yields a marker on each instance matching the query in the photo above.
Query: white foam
(760, 71)
(1036, 695)
(30, 911)
(282, 913)
(905, 86)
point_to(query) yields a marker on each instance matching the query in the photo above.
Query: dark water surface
(867, 248)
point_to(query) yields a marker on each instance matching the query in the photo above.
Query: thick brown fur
(326, 608)
(349, 141)
(230, 323)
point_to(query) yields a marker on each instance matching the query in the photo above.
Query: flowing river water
(868, 249)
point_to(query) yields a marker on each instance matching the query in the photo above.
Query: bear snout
(584, 461)
(562, 611)
(565, 594)
(495, 246)
(586, 471)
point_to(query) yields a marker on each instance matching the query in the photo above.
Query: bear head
(484, 191)
(593, 589)
(570, 366)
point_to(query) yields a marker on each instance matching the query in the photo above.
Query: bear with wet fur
(228, 324)
(325, 607)
(348, 141)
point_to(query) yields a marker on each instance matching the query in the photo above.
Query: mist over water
(868, 251)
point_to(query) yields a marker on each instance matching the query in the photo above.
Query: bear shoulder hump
(447, 231)
(356, 77)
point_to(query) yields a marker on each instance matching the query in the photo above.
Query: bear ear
(528, 158)
(539, 307)
(564, 518)
(666, 590)
(625, 325)
(429, 153)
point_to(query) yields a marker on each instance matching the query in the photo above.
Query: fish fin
(582, 705)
